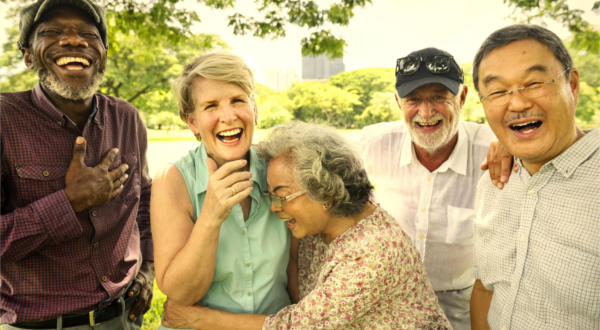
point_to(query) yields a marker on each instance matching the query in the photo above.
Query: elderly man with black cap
(76, 244)
(426, 168)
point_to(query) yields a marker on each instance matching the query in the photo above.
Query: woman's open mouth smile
(230, 137)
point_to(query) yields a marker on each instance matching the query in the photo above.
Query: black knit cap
(452, 79)
(31, 14)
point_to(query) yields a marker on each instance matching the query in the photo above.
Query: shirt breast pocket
(460, 225)
(40, 180)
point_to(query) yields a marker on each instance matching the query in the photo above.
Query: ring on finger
(232, 191)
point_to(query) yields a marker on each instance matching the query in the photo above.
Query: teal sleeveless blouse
(250, 270)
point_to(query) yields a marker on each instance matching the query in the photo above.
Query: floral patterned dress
(369, 277)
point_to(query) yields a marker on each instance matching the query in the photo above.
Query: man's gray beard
(49, 80)
(434, 141)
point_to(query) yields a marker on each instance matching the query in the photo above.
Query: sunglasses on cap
(435, 64)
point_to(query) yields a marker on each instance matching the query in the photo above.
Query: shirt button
(514, 285)
(504, 328)
(428, 179)
(248, 264)
(94, 213)
(96, 120)
(59, 123)
(104, 278)
(423, 210)
(96, 244)
(524, 238)
(531, 192)
(243, 231)
(45, 173)
(420, 236)
(249, 293)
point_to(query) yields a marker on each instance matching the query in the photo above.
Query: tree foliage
(167, 19)
(585, 35)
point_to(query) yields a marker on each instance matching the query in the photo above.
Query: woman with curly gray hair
(357, 269)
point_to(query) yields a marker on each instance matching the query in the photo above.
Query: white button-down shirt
(435, 209)
(537, 243)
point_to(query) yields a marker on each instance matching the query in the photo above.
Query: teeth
(230, 133)
(528, 131)
(428, 124)
(66, 60)
(525, 124)
(286, 220)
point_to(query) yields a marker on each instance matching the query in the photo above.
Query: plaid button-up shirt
(55, 261)
(536, 242)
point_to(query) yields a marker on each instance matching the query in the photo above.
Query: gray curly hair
(324, 163)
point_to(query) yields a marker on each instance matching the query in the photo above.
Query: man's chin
(51, 83)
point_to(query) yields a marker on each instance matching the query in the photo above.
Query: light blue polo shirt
(252, 257)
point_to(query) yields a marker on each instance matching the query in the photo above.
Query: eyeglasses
(533, 90)
(280, 200)
(435, 64)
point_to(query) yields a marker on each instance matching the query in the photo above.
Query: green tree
(585, 35)
(273, 107)
(472, 110)
(323, 103)
(365, 83)
(382, 108)
(167, 19)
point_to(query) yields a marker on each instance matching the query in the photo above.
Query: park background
(150, 40)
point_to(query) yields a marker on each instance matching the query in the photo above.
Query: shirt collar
(257, 168)
(41, 101)
(458, 158)
(567, 162)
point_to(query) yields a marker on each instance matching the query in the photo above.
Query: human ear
(574, 83)
(27, 57)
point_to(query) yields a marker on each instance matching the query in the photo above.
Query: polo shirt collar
(257, 168)
(458, 158)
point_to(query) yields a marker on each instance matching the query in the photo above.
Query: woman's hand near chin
(225, 189)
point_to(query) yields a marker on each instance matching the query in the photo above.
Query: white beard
(434, 141)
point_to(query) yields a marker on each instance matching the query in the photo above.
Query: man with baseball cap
(75, 225)
(426, 169)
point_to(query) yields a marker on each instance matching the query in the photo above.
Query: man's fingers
(118, 172)
(116, 192)
(148, 303)
(78, 153)
(139, 305)
(507, 164)
(484, 165)
(108, 159)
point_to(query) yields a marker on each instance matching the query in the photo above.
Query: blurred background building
(320, 68)
(278, 78)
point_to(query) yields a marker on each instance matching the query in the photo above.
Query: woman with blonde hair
(215, 240)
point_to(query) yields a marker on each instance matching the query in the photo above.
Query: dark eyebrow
(537, 67)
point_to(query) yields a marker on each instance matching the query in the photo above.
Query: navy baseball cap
(452, 79)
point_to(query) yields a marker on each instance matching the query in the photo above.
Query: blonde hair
(220, 66)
